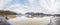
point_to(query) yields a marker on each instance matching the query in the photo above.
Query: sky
(23, 6)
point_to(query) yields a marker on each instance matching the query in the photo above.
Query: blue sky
(45, 6)
(17, 2)
(22, 3)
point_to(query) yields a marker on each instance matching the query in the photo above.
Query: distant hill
(2, 12)
(32, 13)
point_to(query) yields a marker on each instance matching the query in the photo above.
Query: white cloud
(19, 8)
(50, 7)
(3, 2)
(45, 6)
(34, 6)
(31, 1)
